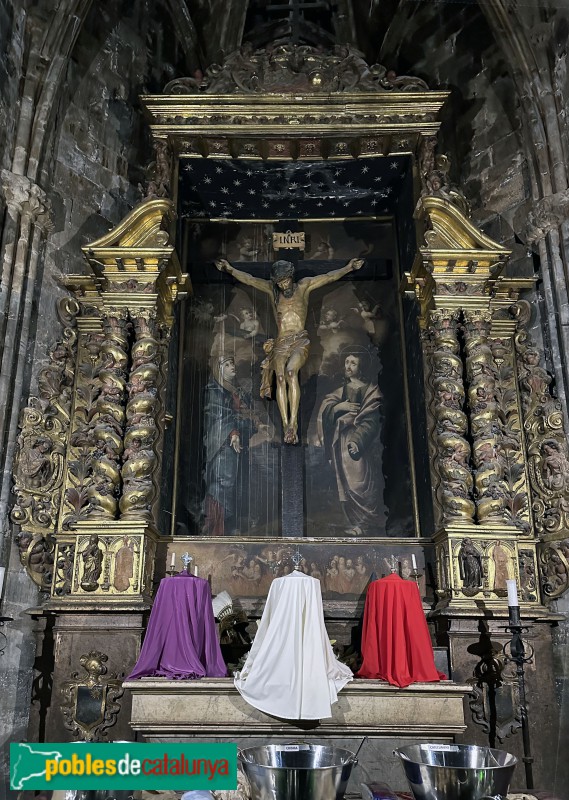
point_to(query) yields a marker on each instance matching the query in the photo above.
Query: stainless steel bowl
(297, 771)
(456, 772)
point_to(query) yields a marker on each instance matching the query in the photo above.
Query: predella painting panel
(344, 569)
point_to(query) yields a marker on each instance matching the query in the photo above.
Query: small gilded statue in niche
(92, 557)
(288, 352)
(501, 561)
(470, 565)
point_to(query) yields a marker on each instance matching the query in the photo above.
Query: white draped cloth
(291, 671)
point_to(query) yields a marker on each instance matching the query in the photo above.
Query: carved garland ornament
(498, 456)
(548, 460)
(98, 418)
(295, 68)
(38, 468)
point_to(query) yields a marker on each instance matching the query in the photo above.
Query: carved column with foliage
(477, 448)
(86, 476)
(453, 450)
(141, 438)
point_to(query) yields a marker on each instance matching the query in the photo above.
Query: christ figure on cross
(287, 353)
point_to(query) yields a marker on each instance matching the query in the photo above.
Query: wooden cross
(295, 9)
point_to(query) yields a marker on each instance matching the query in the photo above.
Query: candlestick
(173, 560)
(414, 561)
(512, 593)
(520, 653)
(196, 570)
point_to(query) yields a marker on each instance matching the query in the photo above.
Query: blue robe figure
(228, 426)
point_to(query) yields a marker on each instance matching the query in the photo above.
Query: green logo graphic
(123, 765)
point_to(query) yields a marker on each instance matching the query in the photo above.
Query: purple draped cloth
(181, 639)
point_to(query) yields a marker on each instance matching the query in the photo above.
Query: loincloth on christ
(283, 346)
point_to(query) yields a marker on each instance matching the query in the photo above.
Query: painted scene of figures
(353, 424)
(344, 570)
(229, 465)
(357, 454)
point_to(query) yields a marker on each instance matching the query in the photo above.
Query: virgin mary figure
(228, 426)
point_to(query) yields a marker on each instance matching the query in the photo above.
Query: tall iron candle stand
(515, 651)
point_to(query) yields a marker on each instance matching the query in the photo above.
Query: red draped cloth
(396, 645)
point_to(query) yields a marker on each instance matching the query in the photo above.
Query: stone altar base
(213, 710)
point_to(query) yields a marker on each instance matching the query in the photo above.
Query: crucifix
(285, 355)
(295, 9)
(288, 351)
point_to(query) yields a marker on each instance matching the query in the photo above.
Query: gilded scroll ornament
(451, 422)
(63, 569)
(546, 440)
(528, 575)
(554, 568)
(548, 464)
(500, 477)
(93, 477)
(38, 468)
(36, 554)
(89, 705)
(294, 68)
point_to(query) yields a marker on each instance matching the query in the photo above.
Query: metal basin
(456, 772)
(297, 771)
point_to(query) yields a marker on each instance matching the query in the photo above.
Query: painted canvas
(353, 422)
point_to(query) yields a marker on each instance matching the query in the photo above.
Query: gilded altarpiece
(89, 476)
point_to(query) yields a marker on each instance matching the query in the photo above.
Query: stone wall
(100, 146)
(11, 51)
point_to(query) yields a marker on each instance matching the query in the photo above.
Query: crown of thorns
(282, 270)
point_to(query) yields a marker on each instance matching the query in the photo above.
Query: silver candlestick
(186, 561)
(296, 558)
